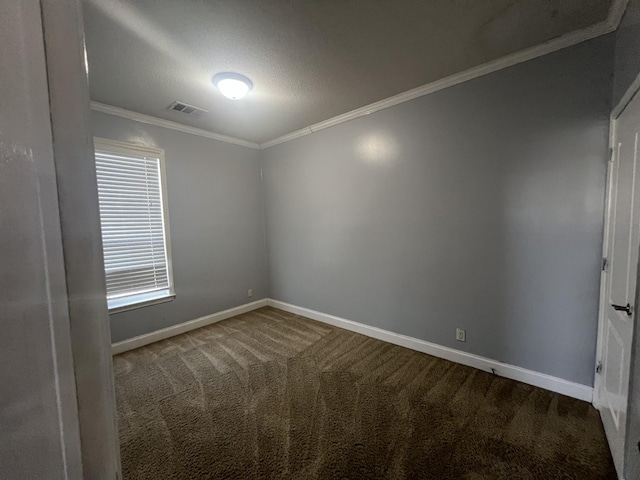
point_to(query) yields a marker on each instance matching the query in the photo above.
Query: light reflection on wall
(143, 139)
(377, 148)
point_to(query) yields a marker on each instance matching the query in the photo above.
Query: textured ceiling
(309, 60)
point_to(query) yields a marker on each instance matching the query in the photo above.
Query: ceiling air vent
(186, 109)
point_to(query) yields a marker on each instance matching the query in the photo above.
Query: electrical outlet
(461, 335)
(250, 293)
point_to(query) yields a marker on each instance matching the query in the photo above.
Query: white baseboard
(542, 380)
(156, 336)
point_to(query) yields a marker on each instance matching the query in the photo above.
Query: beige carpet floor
(271, 395)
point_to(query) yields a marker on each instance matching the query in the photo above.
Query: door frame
(597, 401)
(631, 460)
(75, 177)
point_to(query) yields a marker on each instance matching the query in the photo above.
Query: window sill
(141, 301)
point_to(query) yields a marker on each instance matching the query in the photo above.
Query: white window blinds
(132, 217)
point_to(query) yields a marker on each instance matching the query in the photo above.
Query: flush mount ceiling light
(232, 85)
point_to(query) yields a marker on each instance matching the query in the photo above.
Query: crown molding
(607, 26)
(159, 122)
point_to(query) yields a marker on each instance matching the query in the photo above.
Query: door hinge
(604, 264)
(610, 154)
(599, 368)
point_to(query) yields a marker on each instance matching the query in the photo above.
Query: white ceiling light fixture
(232, 85)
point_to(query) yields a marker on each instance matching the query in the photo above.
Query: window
(135, 227)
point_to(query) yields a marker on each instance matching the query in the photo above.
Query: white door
(619, 280)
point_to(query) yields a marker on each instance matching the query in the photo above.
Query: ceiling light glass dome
(232, 85)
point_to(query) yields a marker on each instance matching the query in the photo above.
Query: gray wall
(479, 206)
(39, 434)
(216, 220)
(627, 57)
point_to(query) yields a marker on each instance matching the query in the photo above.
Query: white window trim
(162, 296)
(143, 300)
